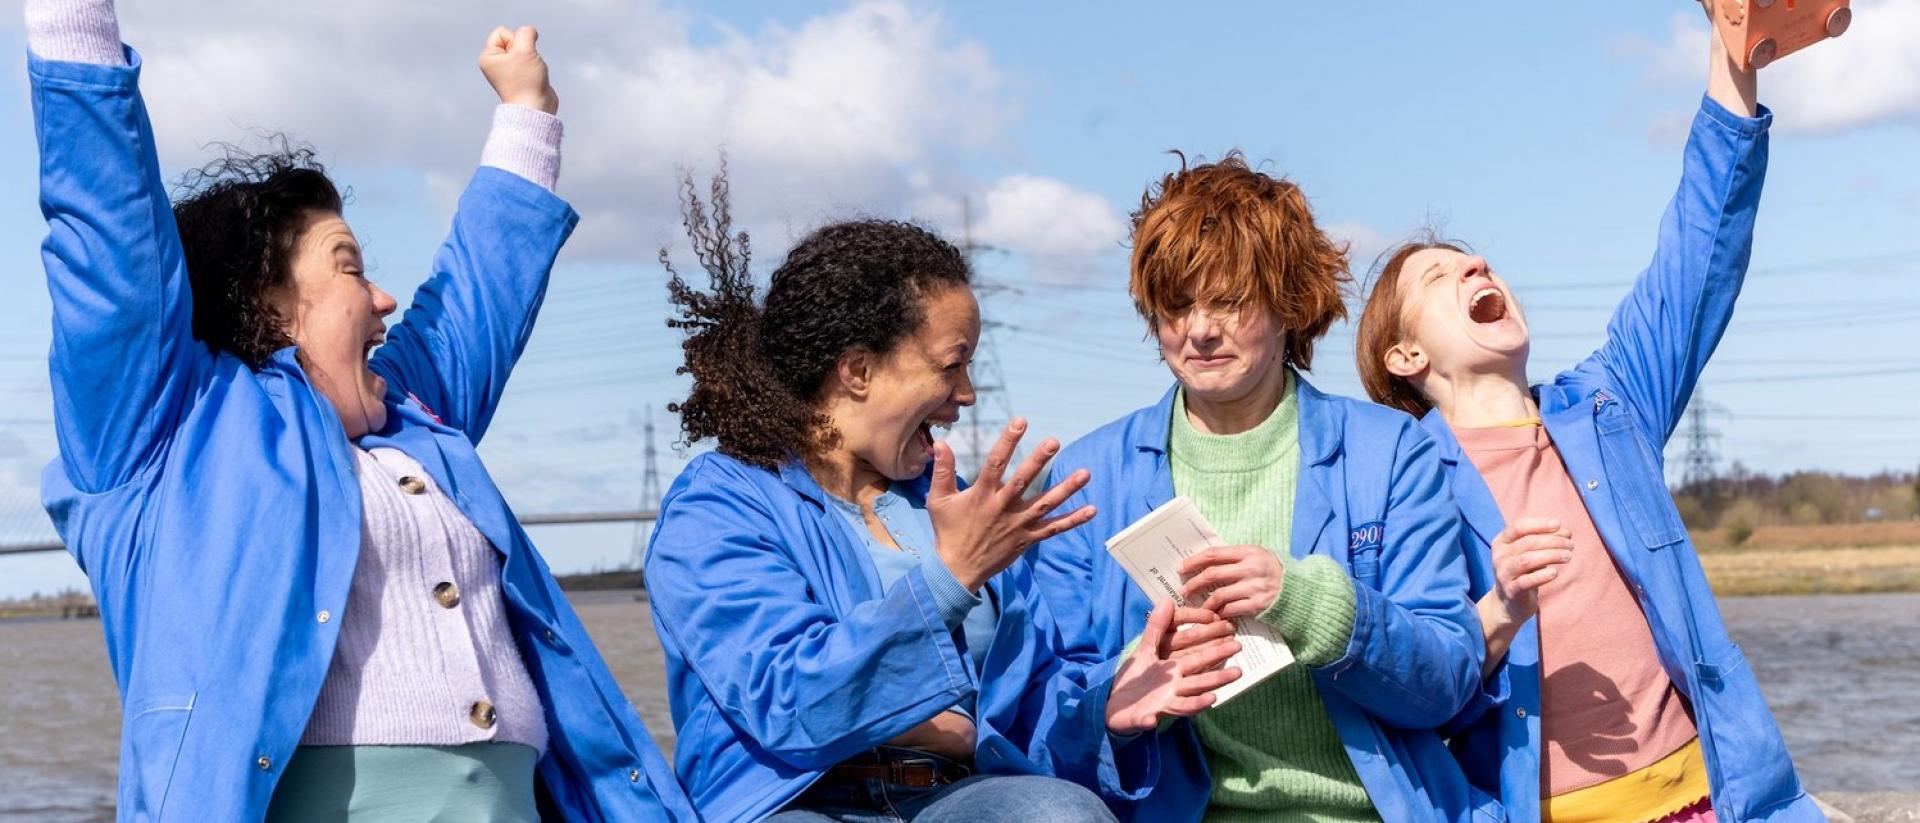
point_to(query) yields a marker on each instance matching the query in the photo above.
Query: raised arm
(1663, 333)
(469, 323)
(123, 350)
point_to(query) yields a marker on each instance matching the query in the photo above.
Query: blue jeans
(982, 798)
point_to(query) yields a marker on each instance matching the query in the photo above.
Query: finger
(1158, 622)
(1206, 682)
(1188, 615)
(1060, 525)
(1244, 607)
(525, 40)
(1031, 468)
(1208, 656)
(944, 483)
(995, 469)
(1195, 636)
(1531, 561)
(498, 40)
(1218, 555)
(1213, 577)
(1231, 593)
(1534, 580)
(1541, 542)
(1188, 706)
(1059, 493)
(1535, 526)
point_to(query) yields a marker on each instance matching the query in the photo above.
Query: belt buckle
(902, 772)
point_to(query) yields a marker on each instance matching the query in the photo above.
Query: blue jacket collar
(1321, 423)
(794, 473)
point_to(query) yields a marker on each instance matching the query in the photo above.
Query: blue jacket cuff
(950, 599)
(1494, 692)
(92, 75)
(1743, 126)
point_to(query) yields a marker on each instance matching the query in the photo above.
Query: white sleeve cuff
(75, 31)
(525, 142)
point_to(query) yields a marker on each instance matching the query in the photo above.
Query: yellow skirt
(1668, 785)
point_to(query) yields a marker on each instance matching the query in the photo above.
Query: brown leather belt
(912, 772)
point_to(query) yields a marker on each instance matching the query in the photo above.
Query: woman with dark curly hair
(849, 635)
(316, 604)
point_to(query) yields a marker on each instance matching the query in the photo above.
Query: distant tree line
(1744, 500)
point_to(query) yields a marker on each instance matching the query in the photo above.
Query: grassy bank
(1814, 571)
(1840, 559)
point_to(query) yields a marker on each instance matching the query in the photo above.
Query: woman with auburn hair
(850, 635)
(317, 605)
(1612, 691)
(1344, 535)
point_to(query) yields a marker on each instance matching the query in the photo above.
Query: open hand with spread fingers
(1172, 673)
(981, 531)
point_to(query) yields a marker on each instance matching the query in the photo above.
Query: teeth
(936, 424)
(1485, 293)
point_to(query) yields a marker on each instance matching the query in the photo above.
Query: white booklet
(1151, 551)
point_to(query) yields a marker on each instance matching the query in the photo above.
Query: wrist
(965, 574)
(545, 101)
(1499, 618)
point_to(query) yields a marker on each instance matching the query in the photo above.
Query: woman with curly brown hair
(316, 603)
(849, 635)
(1344, 536)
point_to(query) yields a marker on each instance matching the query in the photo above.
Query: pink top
(1607, 707)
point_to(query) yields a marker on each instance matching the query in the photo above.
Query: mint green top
(1273, 750)
(477, 782)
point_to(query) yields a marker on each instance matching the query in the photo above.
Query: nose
(963, 394)
(383, 303)
(1474, 266)
(1202, 325)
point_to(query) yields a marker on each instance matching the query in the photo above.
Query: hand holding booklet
(1152, 549)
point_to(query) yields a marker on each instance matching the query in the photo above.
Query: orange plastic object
(1759, 32)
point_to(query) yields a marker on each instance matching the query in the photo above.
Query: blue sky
(1548, 140)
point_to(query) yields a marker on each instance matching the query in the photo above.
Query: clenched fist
(512, 64)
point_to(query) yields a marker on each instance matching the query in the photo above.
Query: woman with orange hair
(1345, 537)
(1617, 693)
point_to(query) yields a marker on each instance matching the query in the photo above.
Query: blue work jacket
(1610, 417)
(1372, 498)
(215, 508)
(785, 656)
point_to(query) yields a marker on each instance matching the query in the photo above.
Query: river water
(1842, 673)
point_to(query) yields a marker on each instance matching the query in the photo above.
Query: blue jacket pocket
(156, 726)
(1741, 741)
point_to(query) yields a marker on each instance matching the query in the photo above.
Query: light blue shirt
(904, 514)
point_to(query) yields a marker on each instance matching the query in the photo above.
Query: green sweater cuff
(1314, 611)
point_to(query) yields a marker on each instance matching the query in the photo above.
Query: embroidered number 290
(1367, 536)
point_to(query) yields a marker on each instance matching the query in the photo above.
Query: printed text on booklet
(1151, 551)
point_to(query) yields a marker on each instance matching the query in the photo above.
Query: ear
(1406, 360)
(855, 372)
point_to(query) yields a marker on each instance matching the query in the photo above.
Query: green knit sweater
(1273, 750)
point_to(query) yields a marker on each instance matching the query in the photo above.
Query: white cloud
(1364, 243)
(1869, 76)
(1049, 218)
(866, 110)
